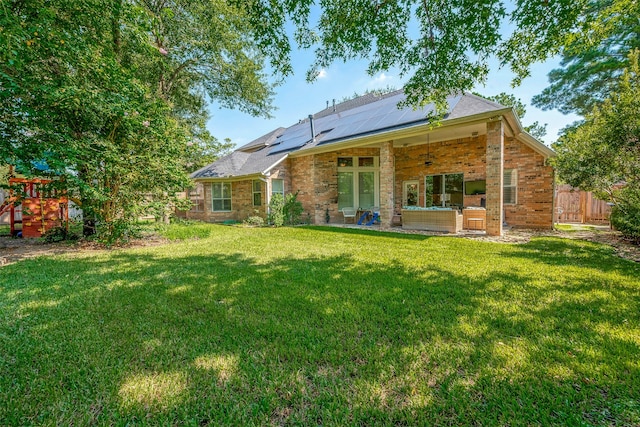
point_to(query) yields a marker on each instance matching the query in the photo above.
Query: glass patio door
(444, 190)
(366, 189)
(345, 190)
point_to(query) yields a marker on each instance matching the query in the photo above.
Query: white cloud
(382, 79)
(322, 74)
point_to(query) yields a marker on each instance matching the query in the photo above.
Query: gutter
(230, 178)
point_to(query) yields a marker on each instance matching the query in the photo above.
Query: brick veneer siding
(494, 177)
(534, 207)
(241, 198)
(387, 181)
(241, 203)
(468, 156)
(315, 177)
(302, 176)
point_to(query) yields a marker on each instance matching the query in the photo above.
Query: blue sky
(296, 99)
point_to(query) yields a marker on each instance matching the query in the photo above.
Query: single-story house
(366, 152)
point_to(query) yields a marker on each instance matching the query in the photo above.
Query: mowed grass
(322, 326)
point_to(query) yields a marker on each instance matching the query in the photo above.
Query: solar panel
(375, 116)
(294, 137)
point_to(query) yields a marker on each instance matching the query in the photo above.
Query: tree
(589, 73)
(509, 100)
(111, 94)
(377, 92)
(602, 154)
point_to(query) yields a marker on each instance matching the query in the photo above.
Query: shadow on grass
(555, 251)
(367, 232)
(231, 339)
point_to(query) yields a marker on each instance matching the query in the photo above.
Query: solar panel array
(375, 116)
(294, 137)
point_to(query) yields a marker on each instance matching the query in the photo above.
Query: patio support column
(387, 173)
(495, 171)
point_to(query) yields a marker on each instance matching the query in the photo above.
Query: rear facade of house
(367, 152)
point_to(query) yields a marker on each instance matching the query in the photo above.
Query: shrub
(292, 209)
(254, 221)
(276, 210)
(117, 231)
(61, 233)
(625, 215)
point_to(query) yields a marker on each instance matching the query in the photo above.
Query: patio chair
(349, 213)
(375, 215)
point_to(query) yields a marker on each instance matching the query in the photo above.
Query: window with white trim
(277, 186)
(410, 193)
(257, 192)
(358, 182)
(510, 187)
(220, 196)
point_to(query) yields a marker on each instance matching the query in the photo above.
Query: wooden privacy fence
(574, 205)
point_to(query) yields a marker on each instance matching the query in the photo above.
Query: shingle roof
(470, 105)
(263, 141)
(240, 163)
(365, 115)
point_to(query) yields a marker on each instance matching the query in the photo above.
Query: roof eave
(526, 138)
(230, 177)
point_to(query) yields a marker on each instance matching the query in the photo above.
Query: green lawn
(322, 326)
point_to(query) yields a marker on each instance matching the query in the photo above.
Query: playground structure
(34, 209)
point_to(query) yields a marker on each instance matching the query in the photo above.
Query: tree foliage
(111, 94)
(443, 46)
(602, 154)
(589, 71)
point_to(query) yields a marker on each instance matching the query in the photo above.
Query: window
(277, 186)
(365, 161)
(345, 190)
(344, 162)
(221, 196)
(443, 190)
(510, 186)
(410, 193)
(358, 185)
(196, 195)
(257, 193)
